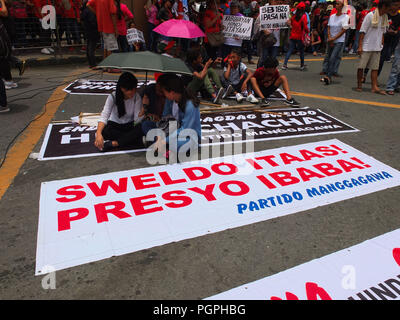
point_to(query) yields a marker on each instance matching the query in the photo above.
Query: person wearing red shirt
(266, 80)
(106, 11)
(212, 22)
(44, 34)
(360, 15)
(71, 18)
(124, 15)
(298, 22)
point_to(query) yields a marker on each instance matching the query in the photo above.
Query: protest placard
(90, 218)
(237, 27)
(274, 17)
(96, 86)
(367, 271)
(134, 35)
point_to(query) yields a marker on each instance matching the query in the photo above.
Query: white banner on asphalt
(91, 218)
(367, 271)
(274, 17)
(237, 27)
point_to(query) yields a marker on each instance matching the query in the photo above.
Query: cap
(301, 5)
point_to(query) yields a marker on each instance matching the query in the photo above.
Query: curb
(55, 60)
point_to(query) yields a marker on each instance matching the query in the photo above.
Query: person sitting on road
(187, 116)
(266, 80)
(236, 78)
(119, 122)
(202, 76)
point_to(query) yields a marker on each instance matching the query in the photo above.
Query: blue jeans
(356, 39)
(394, 77)
(267, 52)
(334, 57)
(292, 45)
(326, 61)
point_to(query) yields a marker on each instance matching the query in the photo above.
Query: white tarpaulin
(367, 271)
(91, 218)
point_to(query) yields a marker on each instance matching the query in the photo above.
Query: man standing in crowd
(393, 82)
(370, 45)
(106, 14)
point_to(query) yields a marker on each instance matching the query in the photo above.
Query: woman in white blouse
(119, 125)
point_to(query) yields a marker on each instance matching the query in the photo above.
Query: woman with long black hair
(298, 22)
(119, 125)
(187, 116)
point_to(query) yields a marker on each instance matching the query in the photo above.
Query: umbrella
(144, 61)
(179, 29)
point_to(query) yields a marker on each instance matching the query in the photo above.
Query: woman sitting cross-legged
(187, 116)
(119, 125)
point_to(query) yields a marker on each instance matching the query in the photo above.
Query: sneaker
(10, 84)
(265, 102)
(239, 97)
(45, 51)
(252, 99)
(302, 68)
(227, 92)
(292, 103)
(219, 95)
(4, 109)
(21, 67)
(284, 67)
(51, 50)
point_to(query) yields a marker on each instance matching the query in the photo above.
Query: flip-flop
(391, 93)
(359, 89)
(381, 92)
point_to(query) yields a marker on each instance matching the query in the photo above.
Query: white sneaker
(219, 95)
(252, 99)
(45, 51)
(51, 50)
(239, 97)
(10, 84)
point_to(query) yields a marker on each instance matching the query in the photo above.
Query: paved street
(204, 266)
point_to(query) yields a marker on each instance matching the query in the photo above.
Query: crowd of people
(329, 28)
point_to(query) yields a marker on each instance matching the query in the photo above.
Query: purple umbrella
(179, 29)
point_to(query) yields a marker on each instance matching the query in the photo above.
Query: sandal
(327, 80)
(391, 93)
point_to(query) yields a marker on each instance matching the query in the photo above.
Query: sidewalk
(36, 58)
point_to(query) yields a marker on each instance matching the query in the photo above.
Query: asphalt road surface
(204, 266)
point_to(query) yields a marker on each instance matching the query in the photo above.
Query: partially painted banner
(96, 217)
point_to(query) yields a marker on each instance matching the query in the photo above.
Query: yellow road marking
(372, 103)
(24, 145)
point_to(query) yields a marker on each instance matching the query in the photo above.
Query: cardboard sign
(274, 17)
(367, 271)
(134, 35)
(66, 140)
(96, 87)
(237, 27)
(223, 128)
(91, 218)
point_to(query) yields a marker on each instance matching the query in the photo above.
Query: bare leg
(256, 88)
(360, 75)
(374, 81)
(282, 80)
